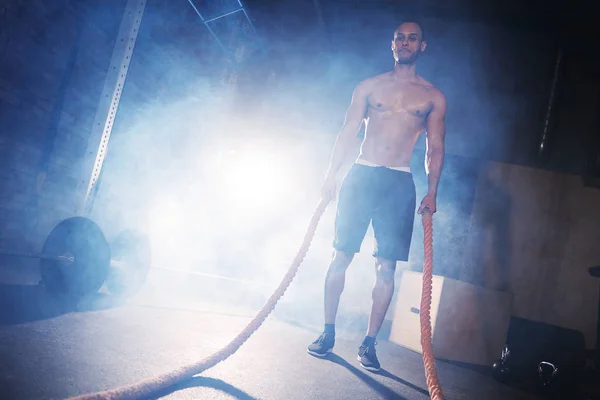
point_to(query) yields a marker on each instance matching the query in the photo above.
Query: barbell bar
(67, 259)
(76, 260)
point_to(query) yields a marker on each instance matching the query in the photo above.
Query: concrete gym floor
(49, 353)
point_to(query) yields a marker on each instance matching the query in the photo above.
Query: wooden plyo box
(469, 323)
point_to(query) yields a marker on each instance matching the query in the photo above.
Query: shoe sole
(372, 369)
(320, 355)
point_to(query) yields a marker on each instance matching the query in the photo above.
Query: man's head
(408, 42)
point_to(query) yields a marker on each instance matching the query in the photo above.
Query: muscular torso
(396, 116)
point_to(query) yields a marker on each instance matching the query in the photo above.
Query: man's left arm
(434, 159)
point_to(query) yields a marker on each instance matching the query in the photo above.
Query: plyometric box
(469, 323)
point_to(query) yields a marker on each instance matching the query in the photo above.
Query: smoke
(224, 178)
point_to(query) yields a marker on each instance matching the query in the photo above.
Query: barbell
(76, 260)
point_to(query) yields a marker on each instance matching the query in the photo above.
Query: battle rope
(435, 391)
(146, 387)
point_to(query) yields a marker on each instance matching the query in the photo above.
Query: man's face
(408, 43)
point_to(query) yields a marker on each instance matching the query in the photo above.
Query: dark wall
(495, 62)
(54, 57)
(53, 61)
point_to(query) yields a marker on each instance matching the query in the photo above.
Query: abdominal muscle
(390, 140)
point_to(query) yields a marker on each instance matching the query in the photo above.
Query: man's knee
(340, 261)
(386, 269)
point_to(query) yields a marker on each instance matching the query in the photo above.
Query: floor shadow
(201, 381)
(389, 375)
(479, 369)
(27, 303)
(380, 388)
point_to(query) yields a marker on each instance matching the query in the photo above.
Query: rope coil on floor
(146, 387)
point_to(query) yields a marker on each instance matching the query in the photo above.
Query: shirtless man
(397, 107)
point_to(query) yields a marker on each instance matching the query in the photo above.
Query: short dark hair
(412, 21)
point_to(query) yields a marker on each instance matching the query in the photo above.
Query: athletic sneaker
(323, 345)
(368, 357)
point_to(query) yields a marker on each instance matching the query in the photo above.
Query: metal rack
(108, 104)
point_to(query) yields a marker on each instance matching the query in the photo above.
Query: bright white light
(166, 223)
(256, 182)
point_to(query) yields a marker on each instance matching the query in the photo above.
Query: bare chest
(406, 100)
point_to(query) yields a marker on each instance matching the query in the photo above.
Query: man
(397, 107)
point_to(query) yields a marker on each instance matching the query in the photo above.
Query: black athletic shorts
(383, 196)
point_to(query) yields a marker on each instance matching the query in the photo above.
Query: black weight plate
(83, 239)
(132, 248)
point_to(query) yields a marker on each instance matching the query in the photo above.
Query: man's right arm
(346, 138)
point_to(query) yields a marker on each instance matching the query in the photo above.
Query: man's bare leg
(382, 294)
(334, 284)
